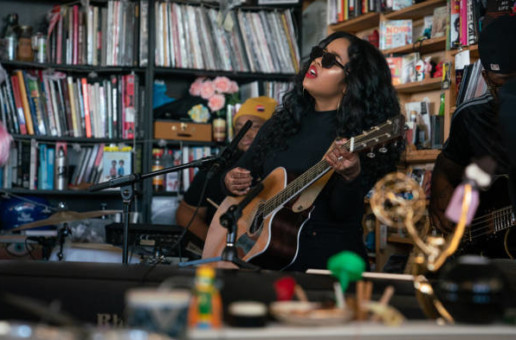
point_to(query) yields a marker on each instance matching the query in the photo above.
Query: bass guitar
(490, 232)
(267, 234)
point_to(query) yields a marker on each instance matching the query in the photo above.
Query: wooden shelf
(421, 156)
(423, 47)
(473, 50)
(357, 24)
(370, 20)
(419, 86)
(399, 239)
(416, 11)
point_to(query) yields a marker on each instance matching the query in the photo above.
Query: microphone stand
(126, 185)
(229, 220)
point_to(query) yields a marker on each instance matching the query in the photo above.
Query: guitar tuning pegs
(383, 149)
(371, 154)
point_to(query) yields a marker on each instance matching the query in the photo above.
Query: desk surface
(410, 330)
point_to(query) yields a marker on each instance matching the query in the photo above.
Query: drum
(19, 247)
(91, 252)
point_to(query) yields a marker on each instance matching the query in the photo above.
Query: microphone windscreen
(454, 209)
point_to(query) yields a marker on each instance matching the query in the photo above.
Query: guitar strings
(482, 227)
(503, 212)
(318, 169)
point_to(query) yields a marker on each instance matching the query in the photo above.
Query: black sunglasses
(328, 60)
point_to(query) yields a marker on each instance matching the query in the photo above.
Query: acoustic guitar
(267, 234)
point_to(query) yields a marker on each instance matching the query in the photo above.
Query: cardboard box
(174, 130)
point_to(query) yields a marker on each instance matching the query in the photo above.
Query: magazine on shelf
(439, 22)
(408, 67)
(395, 33)
(116, 163)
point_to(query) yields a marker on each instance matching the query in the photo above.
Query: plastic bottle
(170, 177)
(11, 35)
(25, 52)
(60, 179)
(205, 311)
(158, 182)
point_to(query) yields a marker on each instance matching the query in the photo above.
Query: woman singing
(344, 89)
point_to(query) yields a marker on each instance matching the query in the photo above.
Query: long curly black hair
(370, 99)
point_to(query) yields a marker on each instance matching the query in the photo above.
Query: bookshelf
(420, 156)
(357, 24)
(416, 11)
(423, 47)
(32, 12)
(430, 84)
(387, 242)
(429, 88)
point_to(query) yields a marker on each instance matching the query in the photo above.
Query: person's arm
(445, 177)
(449, 168)
(184, 214)
(237, 180)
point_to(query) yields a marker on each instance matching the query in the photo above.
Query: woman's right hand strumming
(238, 181)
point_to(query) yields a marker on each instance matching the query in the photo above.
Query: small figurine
(438, 70)
(205, 310)
(420, 70)
(428, 68)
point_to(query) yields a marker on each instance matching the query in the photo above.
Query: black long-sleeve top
(335, 222)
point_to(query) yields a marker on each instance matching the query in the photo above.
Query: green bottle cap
(347, 267)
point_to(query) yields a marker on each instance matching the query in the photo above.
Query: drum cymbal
(12, 238)
(66, 216)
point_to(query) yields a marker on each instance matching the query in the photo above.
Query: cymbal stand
(62, 233)
(126, 185)
(127, 192)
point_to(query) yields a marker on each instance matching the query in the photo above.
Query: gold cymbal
(66, 216)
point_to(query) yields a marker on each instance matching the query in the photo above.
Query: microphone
(478, 174)
(233, 214)
(228, 152)
(115, 182)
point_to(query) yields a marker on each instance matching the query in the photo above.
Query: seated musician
(475, 132)
(258, 110)
(344, 89)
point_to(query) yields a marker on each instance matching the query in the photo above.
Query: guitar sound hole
(257, 220)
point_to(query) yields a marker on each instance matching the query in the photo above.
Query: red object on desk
(285, 288)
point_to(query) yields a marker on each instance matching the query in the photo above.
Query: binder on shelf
(187, 131)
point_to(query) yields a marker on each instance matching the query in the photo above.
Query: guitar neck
(491, 223)
(377, 135)
(296, 186)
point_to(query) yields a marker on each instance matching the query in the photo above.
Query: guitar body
(491, 232)
(270, 242)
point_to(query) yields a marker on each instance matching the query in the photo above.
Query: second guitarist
(475, 132)
(343, 89)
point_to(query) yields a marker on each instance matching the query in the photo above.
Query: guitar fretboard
(301, 182)
(377, 135)
(491, 223)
